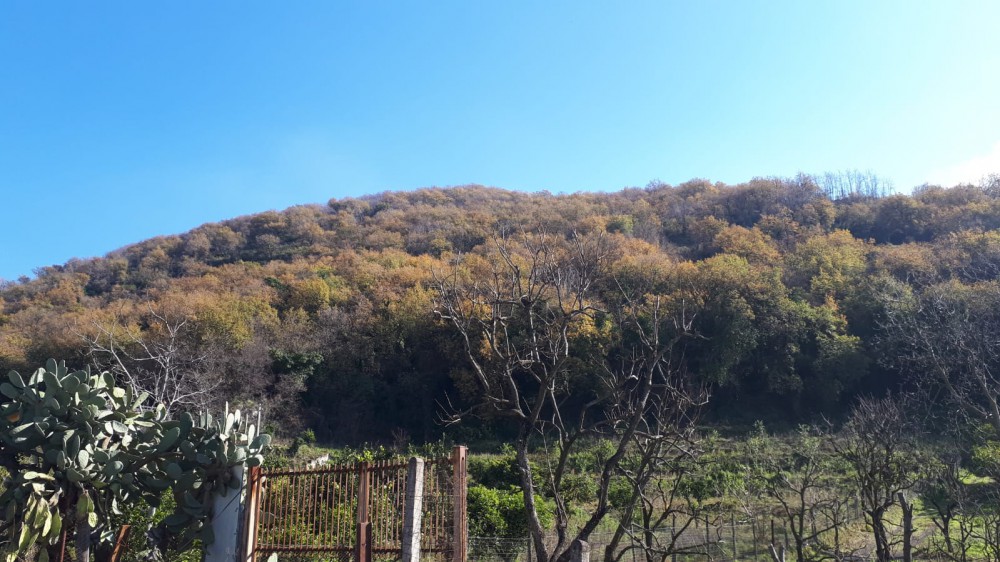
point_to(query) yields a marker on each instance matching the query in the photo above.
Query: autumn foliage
(324, 314)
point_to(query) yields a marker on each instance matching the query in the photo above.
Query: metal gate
(354, 511)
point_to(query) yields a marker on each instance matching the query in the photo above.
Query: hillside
(324, 314)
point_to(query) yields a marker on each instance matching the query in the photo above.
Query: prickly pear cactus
(78, 449)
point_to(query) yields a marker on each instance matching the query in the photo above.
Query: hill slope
(324, 314)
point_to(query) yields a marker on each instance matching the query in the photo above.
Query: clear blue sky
(123, 120)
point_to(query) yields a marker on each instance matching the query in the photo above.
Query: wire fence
(727, 539)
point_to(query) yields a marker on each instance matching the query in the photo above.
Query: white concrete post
(226, 523)
(413, 509)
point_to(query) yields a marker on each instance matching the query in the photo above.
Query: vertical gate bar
(373, 480)
(373, 515)
(301, 507)
(286, 509)
(345, 480)
(335, 509)
(293, 512)
(350, 488)
(383, 527)
(397, 489)
(401, 493)
(289, 512)
(438, 514)
(314, 479)
(335, 515)
(279, 510)
(321, 501)
(328, 495)
(321, 495)
(277, 505)
(372, 492)
(355, 478)
(380, 495)
(305, 508)
(387, 520)
(318, 510)
(388, 491)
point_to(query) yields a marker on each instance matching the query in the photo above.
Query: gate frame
(363, 541)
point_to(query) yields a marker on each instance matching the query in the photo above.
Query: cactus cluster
(79, 448)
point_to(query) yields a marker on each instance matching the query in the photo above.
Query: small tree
(801, 478)
(79, 449)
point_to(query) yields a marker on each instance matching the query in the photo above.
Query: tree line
(800, 294)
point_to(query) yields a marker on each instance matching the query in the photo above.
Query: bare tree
(660, 509)
(945, 338)
(879, 445)
(855, 185)
(161, 360)
(802, 479)
(537, 339)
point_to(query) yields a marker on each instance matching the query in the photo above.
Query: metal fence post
(362, 540)
(459, 488)
(254, 481)
(413, 509)
(120, 543)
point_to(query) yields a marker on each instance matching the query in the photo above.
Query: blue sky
(121, 120)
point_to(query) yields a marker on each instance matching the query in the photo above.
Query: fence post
(459, 488)
(579, 551)
(732, 533)
(364, 526)
(226, 523)
(673, 537)
(252, 510)
(413, 509)
(120, 543)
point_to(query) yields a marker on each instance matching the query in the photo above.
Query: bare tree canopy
(160, 359)
(550, 349)
(946, 338)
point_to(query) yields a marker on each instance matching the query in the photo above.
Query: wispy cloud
(972, 170)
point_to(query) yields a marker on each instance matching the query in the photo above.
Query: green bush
(579, 488)
(494, 471)
(591, 458)
(500, 512)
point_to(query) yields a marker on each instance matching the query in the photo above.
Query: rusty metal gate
(355, 511)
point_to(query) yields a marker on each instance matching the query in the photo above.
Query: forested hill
(324, 314)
